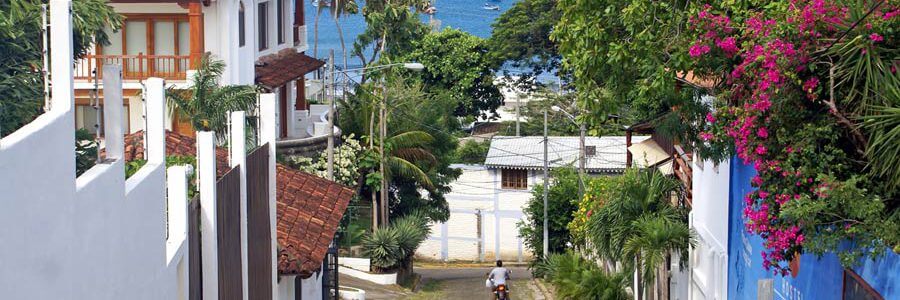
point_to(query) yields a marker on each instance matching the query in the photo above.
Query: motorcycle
(501, 292)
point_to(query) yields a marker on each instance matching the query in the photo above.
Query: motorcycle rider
(498, 276)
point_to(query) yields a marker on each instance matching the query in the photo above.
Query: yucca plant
(883, 151)
(383, 249)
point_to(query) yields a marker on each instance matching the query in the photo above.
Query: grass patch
(430, 290)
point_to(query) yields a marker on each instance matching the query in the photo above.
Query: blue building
(819, 278)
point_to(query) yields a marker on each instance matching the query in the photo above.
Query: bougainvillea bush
(799, 79)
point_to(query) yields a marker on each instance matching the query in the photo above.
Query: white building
(260, 41)
(486, 201)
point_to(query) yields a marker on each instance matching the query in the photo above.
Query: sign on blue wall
(819, 278)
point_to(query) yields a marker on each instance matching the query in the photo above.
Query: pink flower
(698, 49)
(876, 37)
(710, 118)
(706, 136)
(761, 150)
(763, 194)
(762, 132)
(728, 45)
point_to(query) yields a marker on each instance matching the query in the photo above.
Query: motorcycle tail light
(501, 288)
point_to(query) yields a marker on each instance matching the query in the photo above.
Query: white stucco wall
(478, 192)
(709, 217)
(310, 288)
(94, 237)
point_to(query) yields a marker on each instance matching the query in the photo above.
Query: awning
(666, 168)
(285, 67)
(647, 153)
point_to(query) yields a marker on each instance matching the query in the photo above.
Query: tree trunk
(316, 30)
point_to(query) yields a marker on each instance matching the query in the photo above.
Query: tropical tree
(342, 8)
(21, 94)
(206, 104)
(562, 200)
(391, 28)
(637, 226)
(520, 37)
(574, 277)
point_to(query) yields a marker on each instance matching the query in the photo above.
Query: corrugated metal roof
(527, 152)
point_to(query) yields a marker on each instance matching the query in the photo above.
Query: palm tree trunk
(316, 30)
(638, 293)
(375, 207)
(340, 30)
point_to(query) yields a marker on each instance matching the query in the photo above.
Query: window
(514, 179)
(855, 288)
(263, 16)
(242, 36)
(280, 20)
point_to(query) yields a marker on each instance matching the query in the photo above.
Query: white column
(177, 203)
(206, 177)
(61, 58)
(238, 154)
(113, 112)
(268, 105)
(156, 124)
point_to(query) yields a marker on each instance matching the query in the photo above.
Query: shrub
(573, 277)
(472, 152)
(382, 248)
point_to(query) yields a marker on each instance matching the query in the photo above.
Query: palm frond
(416, 155)
(409, 170)
(410, 139)
(883, 151)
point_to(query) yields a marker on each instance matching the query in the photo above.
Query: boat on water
(431, 10)
(488, 6)
(322, 3)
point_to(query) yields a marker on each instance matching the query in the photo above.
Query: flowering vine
(774, 117)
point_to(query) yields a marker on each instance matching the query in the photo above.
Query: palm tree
(638, 226)
(205, 104)
(404, 154)
(341, 8)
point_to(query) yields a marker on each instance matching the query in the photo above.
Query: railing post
(267, 134)
(195, 20)
(140, 59)
(206, 176)
(238, 153)
(113, 112)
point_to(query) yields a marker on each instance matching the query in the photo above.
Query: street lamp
(413, 66)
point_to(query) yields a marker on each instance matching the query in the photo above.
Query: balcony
(134, 67)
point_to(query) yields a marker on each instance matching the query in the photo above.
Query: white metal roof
(527, 152)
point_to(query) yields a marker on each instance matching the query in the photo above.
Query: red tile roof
(309, 208)
(276, 70)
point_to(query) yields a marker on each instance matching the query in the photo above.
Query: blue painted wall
(819, 278)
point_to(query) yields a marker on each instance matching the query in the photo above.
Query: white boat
(488, 6)
(323, 3)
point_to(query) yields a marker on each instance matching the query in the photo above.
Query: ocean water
(466, 15)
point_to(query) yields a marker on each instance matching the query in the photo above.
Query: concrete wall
(94, 237)
(477, 192)
(709, 218)
(310, 288)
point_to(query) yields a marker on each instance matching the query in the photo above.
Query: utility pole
(546, 187)
(581, 160)
(518, 103)
(383, 125)
(331, 116)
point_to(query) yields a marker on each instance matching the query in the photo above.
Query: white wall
(478, 190)
(94, 237)
(310, 288)
(709, 217)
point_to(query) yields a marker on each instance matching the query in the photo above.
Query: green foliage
(562, 201)
(521, 38)
(863, 221)
(391, 28)
(472, 152)
(134, 166)
(638, 222)
(206, 104)
(457, 63)
(598, 191)
(625, 56)
(883, 152)
(390, 247)
(382, 247)
(574, 277)
(85, 151)
(21, 81)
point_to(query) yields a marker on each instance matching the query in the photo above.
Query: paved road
(468, 284)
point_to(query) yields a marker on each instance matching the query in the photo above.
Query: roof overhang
(648, 153)
(288, 65)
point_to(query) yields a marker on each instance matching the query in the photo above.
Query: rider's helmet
(499, 263)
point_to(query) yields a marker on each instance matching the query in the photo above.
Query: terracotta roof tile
(308, 208)
(278, 69)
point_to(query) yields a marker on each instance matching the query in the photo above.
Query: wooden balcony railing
(135, 67)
